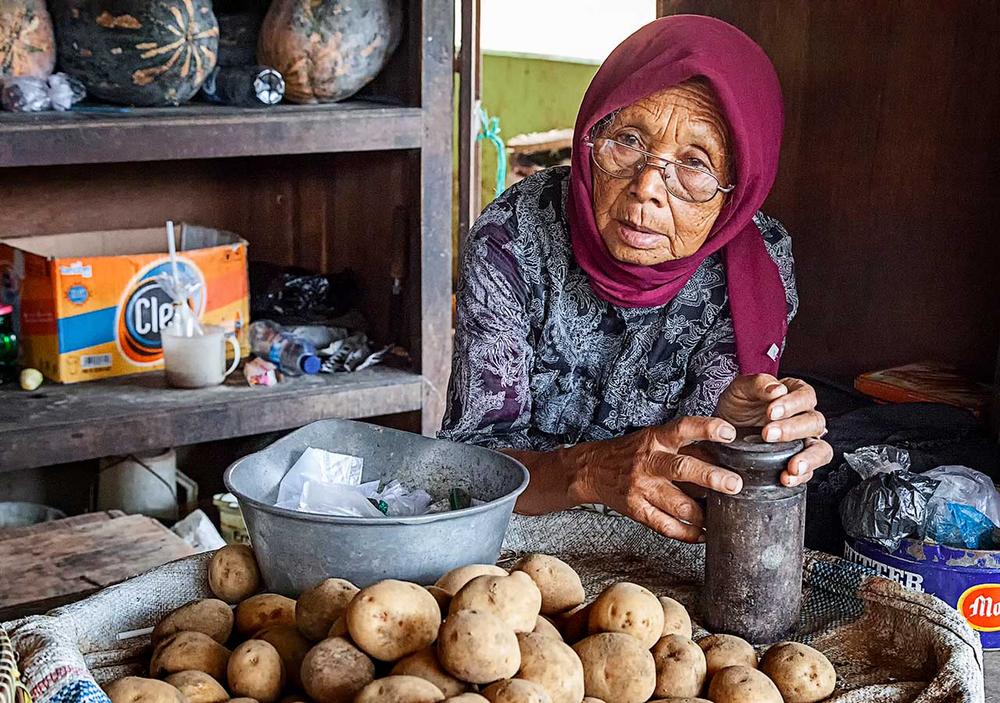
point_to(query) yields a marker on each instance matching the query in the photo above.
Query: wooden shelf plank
(62, 423)
(199, 131)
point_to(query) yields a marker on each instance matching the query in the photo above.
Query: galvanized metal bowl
(297, 550)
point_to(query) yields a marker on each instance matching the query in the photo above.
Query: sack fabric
(888, 644)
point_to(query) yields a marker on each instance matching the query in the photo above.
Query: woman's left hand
(786, 409)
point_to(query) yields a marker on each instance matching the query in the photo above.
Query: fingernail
(772, 388)
(727, 433)
(800, 467)
(777, 412)
(773, 434)
(732, 484)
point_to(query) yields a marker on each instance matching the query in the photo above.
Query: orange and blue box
(90, 306)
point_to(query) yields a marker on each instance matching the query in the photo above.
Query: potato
(801, 673)
(466, 698)
(544, 626)
(233, 574)
(630, 609)
(317, 608)
(478, 647)
(560, 586)
(573, 623)
(514, 598)
(198, 687)
(391, 619)
(292, 648)
(516, 691)
(400, 689)
(243, 700)
(616, 667)
(678, 700)
(453, 581)
(256, 671)
(442, 597)
(135, 689)
(186, 651)
(553, 665)
(210, 616)
(263, 610)
(591, 699)
(741, 684)
(726, 650)
(335, 670)
(680, 667)
(425, 664)
(676, 620)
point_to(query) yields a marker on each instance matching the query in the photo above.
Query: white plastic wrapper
(198, 531)
(330, 483)
(322, 467)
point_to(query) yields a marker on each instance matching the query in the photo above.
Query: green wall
(528, 94)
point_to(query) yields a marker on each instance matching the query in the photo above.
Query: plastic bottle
(292, 354)
(8, 344)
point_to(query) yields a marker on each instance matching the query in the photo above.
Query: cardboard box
(89, 305)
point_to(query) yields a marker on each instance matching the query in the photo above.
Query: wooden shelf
(199, 131)
(58, 424)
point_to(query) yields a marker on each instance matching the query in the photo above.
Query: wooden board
(61, 423)
(65, 558)
(204, 131)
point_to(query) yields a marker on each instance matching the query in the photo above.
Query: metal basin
(297, 550)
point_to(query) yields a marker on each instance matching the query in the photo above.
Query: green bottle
(8, 344)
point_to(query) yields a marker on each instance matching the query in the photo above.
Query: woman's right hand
(638, 474)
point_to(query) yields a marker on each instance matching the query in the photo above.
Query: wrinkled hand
(786, 409)
(638, 474)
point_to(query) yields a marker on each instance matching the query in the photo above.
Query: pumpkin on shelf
(27, 43)
(328, 50)
(137, 52)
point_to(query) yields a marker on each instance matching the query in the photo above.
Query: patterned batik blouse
(541, 362)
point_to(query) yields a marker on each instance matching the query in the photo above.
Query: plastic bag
(338, 499)
(964, 509)
(878, 459)
(890, 503)
(958, 525)
(400, 502)
(960, 484)
(26, 94)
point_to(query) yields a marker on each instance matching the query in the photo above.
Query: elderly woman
(613, 314)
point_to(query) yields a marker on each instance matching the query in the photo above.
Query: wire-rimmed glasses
(689, 183)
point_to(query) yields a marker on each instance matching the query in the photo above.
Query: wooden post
(438, 52)
(470, 77)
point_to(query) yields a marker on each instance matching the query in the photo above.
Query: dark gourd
(328, 50)
(27, 45)
(137, 52)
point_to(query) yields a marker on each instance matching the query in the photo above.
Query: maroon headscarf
(662, 54)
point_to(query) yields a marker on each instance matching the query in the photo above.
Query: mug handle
(237, 353)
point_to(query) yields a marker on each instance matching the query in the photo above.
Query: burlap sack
(889, 645)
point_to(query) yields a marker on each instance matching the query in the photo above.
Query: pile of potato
(478, 634)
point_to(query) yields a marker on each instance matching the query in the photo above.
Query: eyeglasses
(689, 183)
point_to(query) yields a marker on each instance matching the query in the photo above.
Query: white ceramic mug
(198, 362)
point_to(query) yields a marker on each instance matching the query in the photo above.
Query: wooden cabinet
(364, 184)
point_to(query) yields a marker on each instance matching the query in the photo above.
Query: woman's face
(639, 220)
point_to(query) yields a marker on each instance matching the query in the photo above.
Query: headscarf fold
(662, 54)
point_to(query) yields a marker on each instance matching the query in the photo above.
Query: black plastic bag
(887, 507)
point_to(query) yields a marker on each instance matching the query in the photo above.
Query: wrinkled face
(639, 220)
